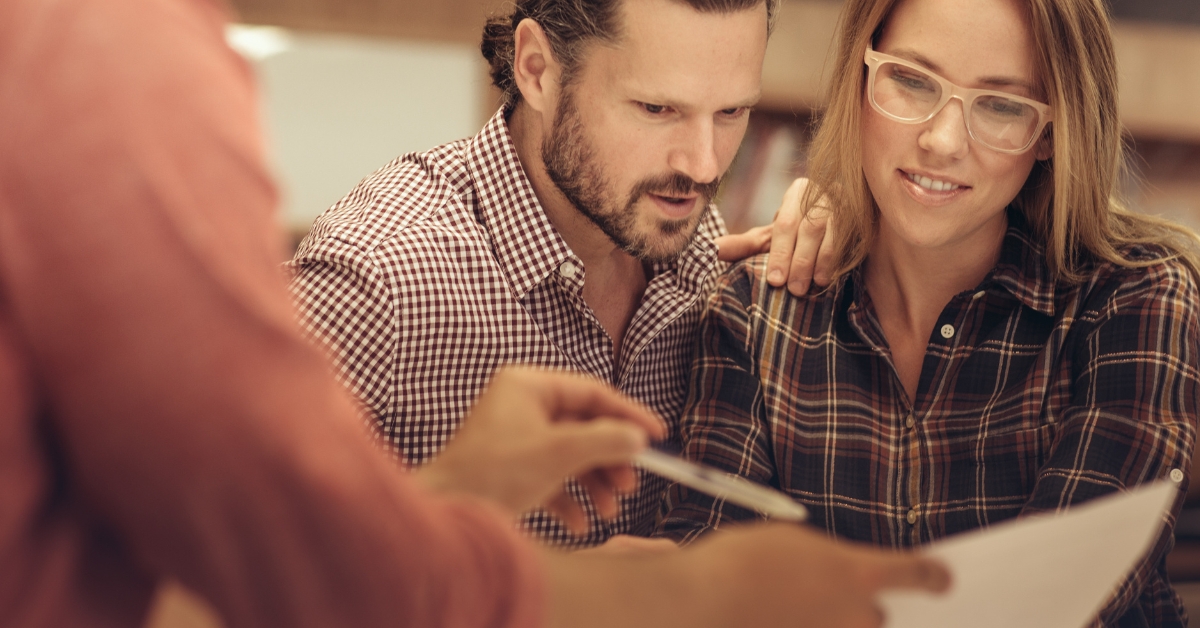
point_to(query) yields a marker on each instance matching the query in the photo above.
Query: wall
(339, 107)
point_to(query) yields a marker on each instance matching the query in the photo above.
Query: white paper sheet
(1048, 571)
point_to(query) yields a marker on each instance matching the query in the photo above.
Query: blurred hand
(800, 246)
(784, 575)
(765, 576)
(629, 545)
(530, 430)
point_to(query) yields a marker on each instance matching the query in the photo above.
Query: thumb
(578, 447)
(734, 248)
(908, 571)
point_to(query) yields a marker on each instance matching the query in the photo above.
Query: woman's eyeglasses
(906, 92)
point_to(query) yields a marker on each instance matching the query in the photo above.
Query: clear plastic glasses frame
(875, 60)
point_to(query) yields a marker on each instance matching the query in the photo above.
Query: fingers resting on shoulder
(800, 243)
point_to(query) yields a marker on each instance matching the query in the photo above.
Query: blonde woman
(1002, 337)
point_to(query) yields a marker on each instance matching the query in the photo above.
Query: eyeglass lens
(997, 122)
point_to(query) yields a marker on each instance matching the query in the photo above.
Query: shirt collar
(524, 242)
(694, 268)
(527, 245)
(1021, 271)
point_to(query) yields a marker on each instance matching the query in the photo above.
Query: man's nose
(694, 154)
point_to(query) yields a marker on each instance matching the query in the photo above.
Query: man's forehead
(667, 46)
(646, 21)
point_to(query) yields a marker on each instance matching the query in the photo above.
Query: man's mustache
(675, 185)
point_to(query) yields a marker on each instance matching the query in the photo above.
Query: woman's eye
(1006, 108)
(913, 82)
(735, 112)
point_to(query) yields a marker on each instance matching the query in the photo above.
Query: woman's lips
(931, 190)
(931, 184)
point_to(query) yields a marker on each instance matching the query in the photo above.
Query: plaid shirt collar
(527, 245)
(1020, 271)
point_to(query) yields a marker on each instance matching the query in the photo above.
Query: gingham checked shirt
(442, 267)
(1033, 396)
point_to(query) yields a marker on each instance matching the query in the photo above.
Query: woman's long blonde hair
(1071, 202)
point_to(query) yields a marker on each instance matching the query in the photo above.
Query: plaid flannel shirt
(1033, 396)
(442, 267)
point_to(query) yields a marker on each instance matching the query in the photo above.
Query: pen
(722, 485)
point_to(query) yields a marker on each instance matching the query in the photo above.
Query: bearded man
(575, 232)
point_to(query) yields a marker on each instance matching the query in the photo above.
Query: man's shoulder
(415, 196)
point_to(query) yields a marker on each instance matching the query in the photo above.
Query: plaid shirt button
(947, 331)
(912, 517)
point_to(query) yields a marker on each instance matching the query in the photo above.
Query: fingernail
(797, 288)
(775, 277)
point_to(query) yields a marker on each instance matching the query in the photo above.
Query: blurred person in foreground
(161, 416)
(1003, 337)
(576, 231)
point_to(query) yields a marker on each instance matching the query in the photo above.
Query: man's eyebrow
(990, 81)
(675, 104)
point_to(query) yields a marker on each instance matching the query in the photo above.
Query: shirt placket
(950, 331)
(903, 448)
(910, 445)
(662, 304)
(597, 352)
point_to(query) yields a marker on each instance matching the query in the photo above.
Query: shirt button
(568, 269)
(912, 517)
(909, 421)
(979, 294)
(947, 331)
(1176, 476)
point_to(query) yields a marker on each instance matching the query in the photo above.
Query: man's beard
(570, 163)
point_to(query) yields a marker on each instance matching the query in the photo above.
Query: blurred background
(348, 85)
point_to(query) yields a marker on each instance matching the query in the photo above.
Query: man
(574, 232)
(162, 418)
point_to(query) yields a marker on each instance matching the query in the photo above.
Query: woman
(1002, 338)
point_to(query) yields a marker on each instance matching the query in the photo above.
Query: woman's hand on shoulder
(800, 246)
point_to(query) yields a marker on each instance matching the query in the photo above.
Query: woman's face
(937, 188)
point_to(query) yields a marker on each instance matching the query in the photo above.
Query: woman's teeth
(930, 184)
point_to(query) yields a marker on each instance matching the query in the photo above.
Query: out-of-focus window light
(337, 107)
(257, 42)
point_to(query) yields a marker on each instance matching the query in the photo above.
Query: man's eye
(735, 112)
(654, 109)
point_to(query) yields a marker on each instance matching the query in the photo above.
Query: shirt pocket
(1006, 459)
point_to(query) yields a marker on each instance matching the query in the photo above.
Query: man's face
(647, 127)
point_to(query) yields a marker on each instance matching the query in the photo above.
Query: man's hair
(1071, 201)
(572, 24)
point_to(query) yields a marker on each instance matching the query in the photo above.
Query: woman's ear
(1045, 147)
